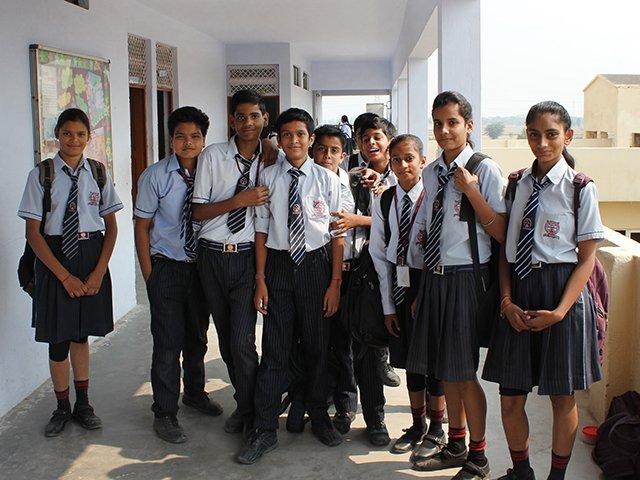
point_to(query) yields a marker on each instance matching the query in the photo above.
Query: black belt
(226, 247)
(449, 269)
(542, 265)
(81, 235)
(158, 257)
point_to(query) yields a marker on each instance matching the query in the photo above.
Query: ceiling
(319, 30)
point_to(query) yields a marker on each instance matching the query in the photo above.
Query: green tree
(494, 130)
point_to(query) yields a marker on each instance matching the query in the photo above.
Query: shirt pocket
(555, 228)
(316, 208)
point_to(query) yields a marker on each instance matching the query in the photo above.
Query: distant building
(611, 106)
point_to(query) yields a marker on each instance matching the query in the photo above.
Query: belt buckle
(83, 236)
(438, 269)
(230, 248)
(346, 266)
(536, 265)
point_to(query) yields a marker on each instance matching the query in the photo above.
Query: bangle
(490, 222)
(502, 303)
(65, 278)
(336, 279)
(260, 276)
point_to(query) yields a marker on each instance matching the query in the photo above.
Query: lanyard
(404, 241)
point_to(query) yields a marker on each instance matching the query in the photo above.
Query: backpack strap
(385, 206)
(469, 215)
(512, 183)
(46, 173)
(579, 182)
(99, 172)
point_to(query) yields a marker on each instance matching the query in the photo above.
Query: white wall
(300, 97)
(101, 31)
(265, 53)
(356, 75)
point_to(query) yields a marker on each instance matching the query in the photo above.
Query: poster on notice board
(61, 80)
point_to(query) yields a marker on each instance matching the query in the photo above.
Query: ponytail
(569, 158)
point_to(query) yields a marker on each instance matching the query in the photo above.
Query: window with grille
(263, 79)
(137, 60)
(164, 66)
(81, 3)
(305, 80)
(296, 75)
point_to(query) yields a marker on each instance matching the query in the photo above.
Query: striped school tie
(524, 248)
(432, 247)
(401, 252)
(186, 226)
(71, 222)
(296, 220)
(236, 218)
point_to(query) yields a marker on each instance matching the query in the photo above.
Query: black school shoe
(57, 422)
(511, 475)
(203, 404)
(168, 429)
(322, 428)
(471, 471)
(387, 374)
(86, 418)
(295, 417)
(342, 421)
(258, 443)
(431, 445)
(408, 441)
(378, 435)
(443, 459)
(235, 423)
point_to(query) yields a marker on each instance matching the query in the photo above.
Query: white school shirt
(385, 257)
(455, 248)
(90, 212)
(216, 179)
(348, 205)
(554, 237)
(319, 190)
(345, 163)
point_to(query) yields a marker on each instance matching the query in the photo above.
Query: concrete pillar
(459, 54)
(417, 98)
(317, 107)
(403, 113)
(394, 104)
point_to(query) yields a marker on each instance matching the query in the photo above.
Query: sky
(541, 50)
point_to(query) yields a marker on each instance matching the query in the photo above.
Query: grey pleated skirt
(445, 341)
(56, 316)
(558, 360)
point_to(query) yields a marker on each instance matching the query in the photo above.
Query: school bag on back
(26, 264)
(362, 311)
(617, 450)
(597, 284)
(488, 294)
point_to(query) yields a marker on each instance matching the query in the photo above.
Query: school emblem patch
(436, 205)
(527, 224)
(72, 207)
(551, 229)
(94, 198)
(421, 238)
(319, 207)
(456, 207)
(243, 182)
(296, 210)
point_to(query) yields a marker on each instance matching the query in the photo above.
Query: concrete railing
(620, 257)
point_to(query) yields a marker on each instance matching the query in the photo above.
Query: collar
(58, 163)
(344, 177)
(413, 194)
(362, 162)
(461, 160)
(232, 149)
(172, 164)
(306, 168)
(555, 174)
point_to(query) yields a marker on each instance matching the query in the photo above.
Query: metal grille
(137, 60)
(261, 78)
(164, 66)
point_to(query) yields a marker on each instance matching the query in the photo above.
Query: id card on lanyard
(402, 269)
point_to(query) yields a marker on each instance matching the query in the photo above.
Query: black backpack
(488, 294)
(617, 449)
(362, 309)
(26, 264)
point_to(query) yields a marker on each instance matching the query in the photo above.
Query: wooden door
(138, 126)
